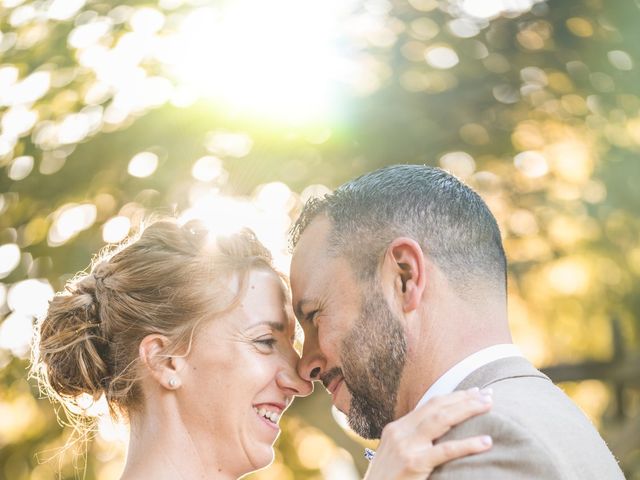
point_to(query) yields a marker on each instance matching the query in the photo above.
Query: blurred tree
(108, 111)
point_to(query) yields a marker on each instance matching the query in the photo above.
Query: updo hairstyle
(166, 280)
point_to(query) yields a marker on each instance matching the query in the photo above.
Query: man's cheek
(330, 347)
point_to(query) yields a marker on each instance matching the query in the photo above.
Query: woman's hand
(406, 450)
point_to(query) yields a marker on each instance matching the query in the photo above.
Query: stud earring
(173, 383)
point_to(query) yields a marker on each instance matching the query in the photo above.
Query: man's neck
(448, 382)
(433, 351)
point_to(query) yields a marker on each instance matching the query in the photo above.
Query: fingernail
(473, 390)
(484, 395)
(486, 440)
(485, 398)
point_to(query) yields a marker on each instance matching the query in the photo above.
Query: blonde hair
(165, 280)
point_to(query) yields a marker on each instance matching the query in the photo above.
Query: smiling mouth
(268, 413)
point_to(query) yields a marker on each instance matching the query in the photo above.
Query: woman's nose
(289, 381)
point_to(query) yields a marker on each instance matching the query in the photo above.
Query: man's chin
(366, 417)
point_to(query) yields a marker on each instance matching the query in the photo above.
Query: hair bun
(71, 344)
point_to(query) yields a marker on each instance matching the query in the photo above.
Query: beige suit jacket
(538, 432)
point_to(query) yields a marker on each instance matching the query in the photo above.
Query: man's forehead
(311, 267)
(312, 245)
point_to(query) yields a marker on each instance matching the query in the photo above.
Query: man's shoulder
(538, 432)
(525, 397)
(516, 453)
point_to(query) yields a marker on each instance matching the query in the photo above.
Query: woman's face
(240, 376)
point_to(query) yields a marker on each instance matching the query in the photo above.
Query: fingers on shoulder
(439, 416)
(450, 450)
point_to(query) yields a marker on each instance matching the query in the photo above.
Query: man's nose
(312, 363)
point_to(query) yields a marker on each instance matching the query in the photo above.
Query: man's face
(354, 343)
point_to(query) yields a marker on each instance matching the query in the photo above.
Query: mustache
(327, 377)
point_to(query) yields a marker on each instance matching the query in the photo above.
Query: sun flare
(269, 59)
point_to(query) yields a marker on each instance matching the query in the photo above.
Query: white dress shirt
(448, 382)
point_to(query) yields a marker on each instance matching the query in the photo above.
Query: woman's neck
(161, 448)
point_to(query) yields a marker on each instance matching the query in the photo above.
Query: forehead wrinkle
(278, 326)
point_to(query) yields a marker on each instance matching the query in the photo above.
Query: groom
(399, 282)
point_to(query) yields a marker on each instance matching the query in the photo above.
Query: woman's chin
(262, 456)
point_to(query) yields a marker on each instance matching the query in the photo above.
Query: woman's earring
(173, 383)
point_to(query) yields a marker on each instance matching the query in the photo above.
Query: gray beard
(374, 355)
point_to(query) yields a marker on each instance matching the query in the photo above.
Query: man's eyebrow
(299, 307)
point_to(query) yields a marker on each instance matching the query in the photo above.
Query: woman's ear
(405, 263)
(164, 369)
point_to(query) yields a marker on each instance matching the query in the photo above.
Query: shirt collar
(448, 382)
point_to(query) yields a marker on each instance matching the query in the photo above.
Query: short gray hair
(450, 221)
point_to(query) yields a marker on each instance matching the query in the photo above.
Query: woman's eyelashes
(266, 343)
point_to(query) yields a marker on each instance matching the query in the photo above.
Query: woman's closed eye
(265, 343)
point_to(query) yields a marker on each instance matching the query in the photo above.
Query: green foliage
(539, 110)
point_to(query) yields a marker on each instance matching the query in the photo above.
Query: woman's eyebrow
(278, 326)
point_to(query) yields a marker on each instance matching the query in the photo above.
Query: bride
(189, 339)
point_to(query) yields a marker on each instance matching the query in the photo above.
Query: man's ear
(405, 263)
(164, 369)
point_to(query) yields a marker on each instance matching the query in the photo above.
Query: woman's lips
(269, 413)
(269, 423)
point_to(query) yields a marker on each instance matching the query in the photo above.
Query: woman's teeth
(268, 414)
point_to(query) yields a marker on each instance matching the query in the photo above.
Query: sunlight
(16, 332)
(116, 229)
(228, 144)
(315, 450)
(143, 164)
(26, 91)
(568, 276)
(9, 258)
(221, 215)
(531, 163)
(17, 121)
(275, 59)
(488, 9)
(460, 164)
(111, 430)
(19, 414)
(64, 9)
(207, 168)
(265, 214)
(69, 220)
(30, 297)
(441, 57)
(571, 159)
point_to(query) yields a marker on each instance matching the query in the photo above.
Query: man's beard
(373, 357)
